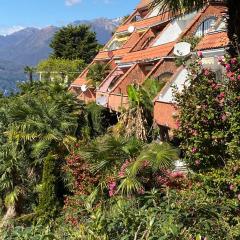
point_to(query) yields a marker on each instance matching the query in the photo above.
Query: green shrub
(48, 201)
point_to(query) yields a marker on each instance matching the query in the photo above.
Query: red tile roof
(81, 78)
(149, 53)
(213, 40)
(147, 22)
(111, 54)
(144, 3)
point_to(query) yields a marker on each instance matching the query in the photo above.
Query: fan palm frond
(180, 6)
(159, 156)
(130, 185)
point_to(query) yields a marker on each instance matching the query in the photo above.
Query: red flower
(228, 67)
(234, 61)
(197, 162)
(194, 150)
(112, 188)
(200, 54)
(221, 95)
(230, 74)
(206, 72)
(224, 117)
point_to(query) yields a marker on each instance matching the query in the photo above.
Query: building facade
(143, 47)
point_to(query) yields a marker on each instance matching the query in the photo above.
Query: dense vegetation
(74, 171)
(68, 173)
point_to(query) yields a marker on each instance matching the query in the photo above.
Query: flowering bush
(202, 120)
(232, 67)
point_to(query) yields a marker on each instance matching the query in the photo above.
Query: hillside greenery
(69, 172)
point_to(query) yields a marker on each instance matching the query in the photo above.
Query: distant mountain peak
(29, 45)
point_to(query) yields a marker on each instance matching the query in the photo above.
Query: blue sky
(15, 14)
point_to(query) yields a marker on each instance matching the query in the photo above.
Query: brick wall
(88, 96)
(117, 101)
(135, 75)
(168, 65)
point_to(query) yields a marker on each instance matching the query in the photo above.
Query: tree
(75, 42)
(62, 70)
(202, 119)
(152, 164)
(136, 120)
(43, 123)
(186, 6)
(30, 71)
(97, 73)
(232, 105)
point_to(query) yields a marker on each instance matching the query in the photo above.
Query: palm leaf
(129, 185)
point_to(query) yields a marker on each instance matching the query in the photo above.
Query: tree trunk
(9, 215)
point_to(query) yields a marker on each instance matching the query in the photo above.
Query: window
(136, 18)
(114, 81)
(115, 45)
(164, 77)
(205, 27)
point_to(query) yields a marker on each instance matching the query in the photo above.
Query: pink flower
(200, 62)
(141, 191)
(200, 54)
(221, 59)
(230, 74)
(194, 150)
(112, 188)
(231, 187)
(214, 86)
(206, 72)
(228, 67)
(238, 77)
(177, 175)
(162, 180)
(221, 95)
(197, 162)
(234, 61)
(224, 117)
(122, 172)
(239, 197)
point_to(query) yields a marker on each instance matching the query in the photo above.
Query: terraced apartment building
(144, 46)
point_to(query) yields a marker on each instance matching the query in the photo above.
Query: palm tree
(29, 70)
(97, 73)
(233, 18)
(137, 118)
(105, 155)
(153, 158)
(44, 121)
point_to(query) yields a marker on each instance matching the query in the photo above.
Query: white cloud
(9, 30)
(72, 2)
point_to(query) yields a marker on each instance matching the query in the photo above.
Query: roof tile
(147, 22)
(149, 53)
(213, 40)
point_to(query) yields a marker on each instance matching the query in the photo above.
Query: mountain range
(31, 45)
